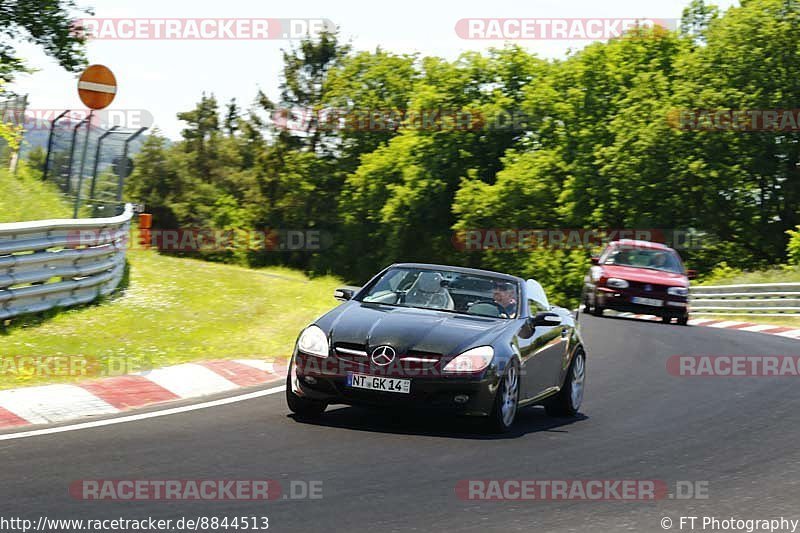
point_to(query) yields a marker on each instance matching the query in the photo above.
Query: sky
(159, 78)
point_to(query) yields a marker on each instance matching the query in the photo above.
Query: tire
(586, 307)
(506, 404)
(666, 319)
(595, 309)
(569, 399)
(684, 320)
(302, 407)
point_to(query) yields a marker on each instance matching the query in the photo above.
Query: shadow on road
(404, 422)
(583, 316)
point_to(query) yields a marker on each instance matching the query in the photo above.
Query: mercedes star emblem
(383, 355)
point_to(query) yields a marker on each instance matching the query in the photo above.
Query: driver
(505, 297)
(659, 260)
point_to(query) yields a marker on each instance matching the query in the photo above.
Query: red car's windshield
(665, 260)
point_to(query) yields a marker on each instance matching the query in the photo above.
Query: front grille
(639, 289)
(416, 360)
(350, 351)
(413, 363)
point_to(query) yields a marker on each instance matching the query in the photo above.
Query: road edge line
(143, 416)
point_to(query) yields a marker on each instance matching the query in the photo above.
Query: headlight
(616, 283)
(313, 341)
(473, 360)
(678, 291)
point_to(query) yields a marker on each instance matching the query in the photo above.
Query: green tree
(304, 81)
(232, 117)
(590, 141)
(47, 23)
(36, 159)
(364, 94)
(397, 204)
(155, 182)
(695, 20)
(793, 248)
(750, 63)
(201, 136)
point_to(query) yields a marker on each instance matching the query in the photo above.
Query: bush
(793, 249)
(722, 273)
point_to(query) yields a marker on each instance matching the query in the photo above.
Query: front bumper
(437, 393)
(621, 300)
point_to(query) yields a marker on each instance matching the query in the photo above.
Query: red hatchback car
(639, 277)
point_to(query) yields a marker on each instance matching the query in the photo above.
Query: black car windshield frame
(455, 275)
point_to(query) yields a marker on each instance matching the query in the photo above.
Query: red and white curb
(770, 329)
(59, 403)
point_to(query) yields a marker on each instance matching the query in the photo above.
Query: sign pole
(97, 88)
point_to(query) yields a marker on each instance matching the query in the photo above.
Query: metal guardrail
(763, 299)
(60, 263)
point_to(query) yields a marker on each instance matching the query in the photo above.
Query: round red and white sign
(97, 87)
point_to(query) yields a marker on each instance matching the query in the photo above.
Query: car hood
(409, 329)
(645, 275)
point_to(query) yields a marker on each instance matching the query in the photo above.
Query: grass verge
(776, 274)
(24, 197)
(173, 310)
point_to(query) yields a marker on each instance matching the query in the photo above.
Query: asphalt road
(387, 471)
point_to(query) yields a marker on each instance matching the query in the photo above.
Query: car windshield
(665, 260)
(446, 290)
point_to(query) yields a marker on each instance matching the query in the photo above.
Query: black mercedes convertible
(466, 341)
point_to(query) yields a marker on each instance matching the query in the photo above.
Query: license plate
(360, 381)
(654, 302)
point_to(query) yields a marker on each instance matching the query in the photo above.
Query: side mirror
(595, 259)
(691, 274)
(545, 319)
(345, 293)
